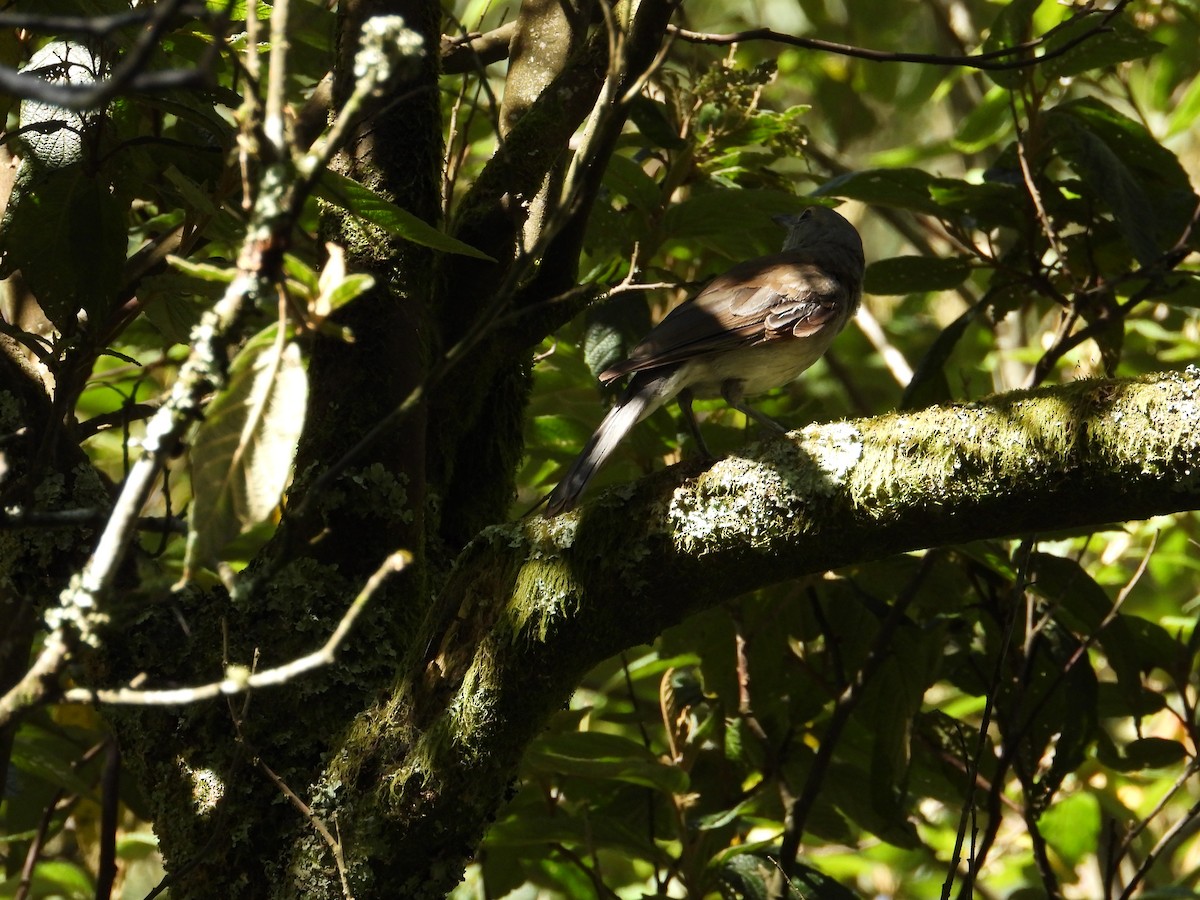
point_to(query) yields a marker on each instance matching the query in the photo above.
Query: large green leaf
(1124, 167)
(902, 188)
(1118, 42)
(242, 454)
(53, 137)
(64, 229)
(1071, 826)
(1107, 176)
(594, 754)
(1012, 26)
(364, 203)
(736, 223)
(915, 274)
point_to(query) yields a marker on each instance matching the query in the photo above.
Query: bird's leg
(684, 399)
(731, 390)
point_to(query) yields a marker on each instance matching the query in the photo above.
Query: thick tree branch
(533, 605)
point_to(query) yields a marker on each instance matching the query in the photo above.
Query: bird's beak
(784, 219)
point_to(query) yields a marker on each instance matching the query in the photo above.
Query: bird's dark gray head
(820, 226)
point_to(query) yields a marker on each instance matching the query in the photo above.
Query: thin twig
(1152, 857)
(991, 61)
(797, 815)
(1123, 848)
(239, 679)
(335, 845)
(1153, 273)
(130, 77)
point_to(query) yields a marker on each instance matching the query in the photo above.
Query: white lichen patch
(749, 498)
(207, 787)
(835, 449)
(560, 531)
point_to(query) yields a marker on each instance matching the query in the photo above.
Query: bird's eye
(807, 214)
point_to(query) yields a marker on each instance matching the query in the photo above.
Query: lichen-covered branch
(532, 605)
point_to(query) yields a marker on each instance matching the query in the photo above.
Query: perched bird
(754, 328)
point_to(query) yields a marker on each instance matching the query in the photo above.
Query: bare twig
(1118, 854)
(901, 371)
(996, 790)
(130, 77)
(992, 61)
(1152, 857)
(797, 815)
(1153, 272)
(239, 679)
(465, 52)
(25, 883)
(94, 26)
(335, 845)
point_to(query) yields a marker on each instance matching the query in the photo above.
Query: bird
(756, 327)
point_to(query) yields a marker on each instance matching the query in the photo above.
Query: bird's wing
(773, 298)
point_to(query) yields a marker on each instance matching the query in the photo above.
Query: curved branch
(130, 76)
(992, 61)
(532, 605)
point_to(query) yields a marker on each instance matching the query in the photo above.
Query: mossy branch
(532, 605)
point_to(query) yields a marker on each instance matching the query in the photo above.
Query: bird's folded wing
(765, 300)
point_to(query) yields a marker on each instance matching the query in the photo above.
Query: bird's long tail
(632, 408)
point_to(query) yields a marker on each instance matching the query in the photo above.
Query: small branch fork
(239, 679)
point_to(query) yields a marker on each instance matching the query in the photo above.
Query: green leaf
(988, 205)
(1154, 753)
(54, 137)
(49, 757)
(904, 188)
(1107, 176)
(347, 194)
(1183, 117)
(236, 10)
(1118, 43)
(1012, 26)
(595, 754)
(629, 180)
(65, 230)
(1071, 826)
(738, 221)
(534, 828)
(349, 288)
(203, 271)
(1142, 182)
(199, 200)
(173, 303)
(302, 272)
(929, 384)
(915, 275)
(985, 124)
(652, 120)
(57, 878)
(748, 876)
(242, 454)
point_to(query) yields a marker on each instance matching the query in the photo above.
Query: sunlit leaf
(370, 207)
(242, 454)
